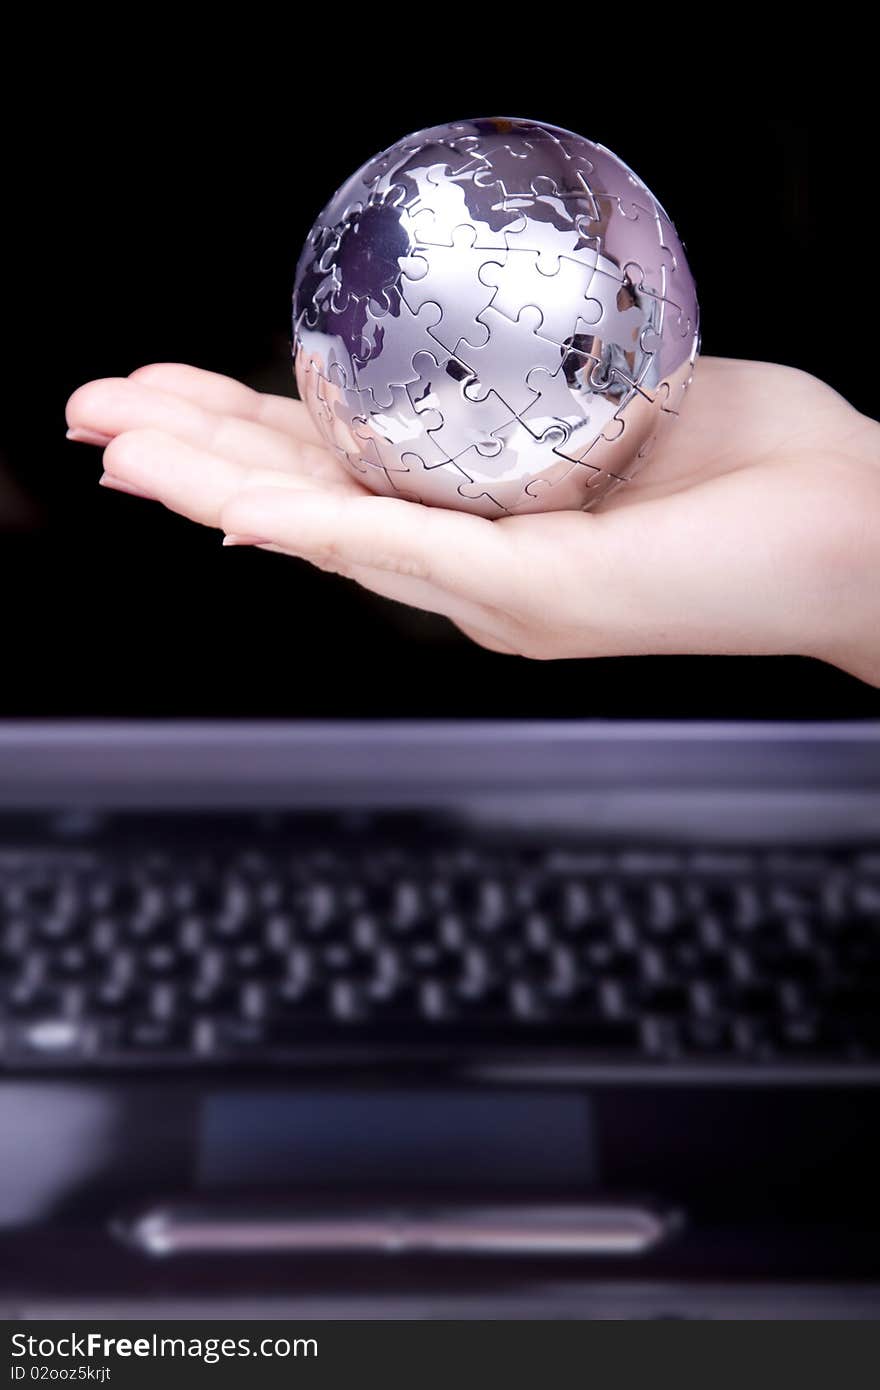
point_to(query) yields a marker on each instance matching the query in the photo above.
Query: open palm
(753, 528)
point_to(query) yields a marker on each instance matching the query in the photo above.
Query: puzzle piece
(454, 169)
(561, 297)
(558, 401)
(566, 422)
(513, 280)
(625, 331)
(545, 188)
(515, 488)
(567, 227)
(436, 481)
(524, 456)
(679, 321)
(330, 403)
(458, 421)
(386, 358)
(373, 452)
(352, 459)
(453, 279)
(670, 393)
(337, 426)
(442, 204)
(502, 488)
(512, 160)
(427, 366)
(334, 254)
(304, 365)
(474, 427)
(488, 504)
(574, 478)
(633, 413)
(663, 339)
(664, 234)
(434, 220)
(393, 164)
(642, 248)
(512, 348)
(391, 432)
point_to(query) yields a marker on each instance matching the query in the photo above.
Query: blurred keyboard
(197, 953)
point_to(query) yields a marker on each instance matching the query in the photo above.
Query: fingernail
(244, 540)
(81, 436)
(117, 485)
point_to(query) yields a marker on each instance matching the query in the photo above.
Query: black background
(148, 224)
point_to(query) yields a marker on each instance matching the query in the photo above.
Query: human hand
(754, 528)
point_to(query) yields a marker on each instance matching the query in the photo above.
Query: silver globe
(494, 315)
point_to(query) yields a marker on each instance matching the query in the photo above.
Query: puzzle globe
(494, 315)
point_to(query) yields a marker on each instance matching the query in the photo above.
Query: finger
(463, 554)
(473, 619)
(194, 482)
(490, 640)
(417, 593)
(116, 405)
(226, 396)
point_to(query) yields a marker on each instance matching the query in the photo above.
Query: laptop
(347, 969)
(394, 1011)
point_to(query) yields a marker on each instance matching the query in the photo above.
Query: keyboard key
(623, 952)
(50, 1037)
(658, 1037)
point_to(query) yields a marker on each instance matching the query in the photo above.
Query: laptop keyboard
(198, 954)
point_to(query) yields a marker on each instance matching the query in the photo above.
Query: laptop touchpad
(444, 1139)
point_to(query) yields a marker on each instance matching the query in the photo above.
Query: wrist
(844, 609)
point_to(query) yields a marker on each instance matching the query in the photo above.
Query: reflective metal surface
(494, 315)
(551, 1229)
